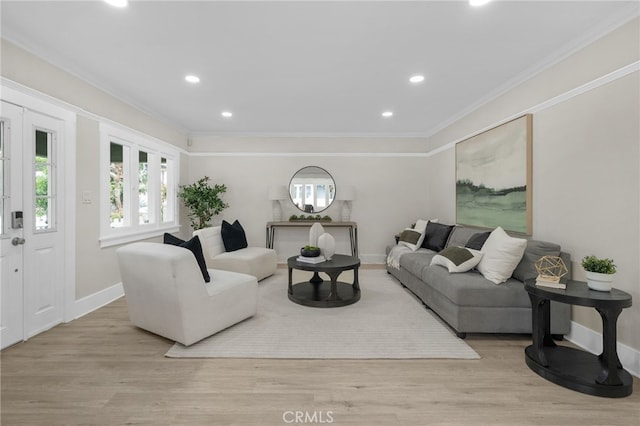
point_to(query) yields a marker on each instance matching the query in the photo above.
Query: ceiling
(307, 67)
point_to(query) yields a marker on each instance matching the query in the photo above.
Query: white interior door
(32, 255)
(11, 252)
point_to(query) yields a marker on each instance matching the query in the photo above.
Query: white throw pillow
(501, 255)
(411, 238)
(457, 259)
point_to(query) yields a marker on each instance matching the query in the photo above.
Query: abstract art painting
(493, 177)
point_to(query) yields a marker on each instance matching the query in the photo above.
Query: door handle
(17, 241)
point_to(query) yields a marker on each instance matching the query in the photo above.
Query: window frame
(134, 142)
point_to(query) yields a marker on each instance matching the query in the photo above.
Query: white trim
(114, 240)
(97, 300)
(308, 154)
(59, 111)
(592, 342)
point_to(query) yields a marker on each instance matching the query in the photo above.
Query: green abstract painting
(493, 177)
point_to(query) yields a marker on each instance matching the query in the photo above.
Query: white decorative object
(315, 232)
(598, 281)
(327, 245)
(346, 194)
(277, 193)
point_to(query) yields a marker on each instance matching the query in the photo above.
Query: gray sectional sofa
(467, 301)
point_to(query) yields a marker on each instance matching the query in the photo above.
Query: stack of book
(317, 259)
(552, 284)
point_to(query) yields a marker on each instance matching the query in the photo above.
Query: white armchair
(260, 262)
(167, 295)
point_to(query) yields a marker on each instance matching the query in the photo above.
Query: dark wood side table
(600, 375)
(320, 294)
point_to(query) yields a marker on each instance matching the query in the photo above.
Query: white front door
(32, 255)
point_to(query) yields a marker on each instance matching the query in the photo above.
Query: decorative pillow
(457, 259)
(477, 240)
(436, 236)
(501, 255)
(411, 238)
(233, 236)
(526, 269)
(195, 247)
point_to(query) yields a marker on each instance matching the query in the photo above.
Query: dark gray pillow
(436, 236)
(477, 240)
(233, 236)
(195, 247)
(526, 269)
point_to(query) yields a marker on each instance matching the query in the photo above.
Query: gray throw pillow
(526, 269)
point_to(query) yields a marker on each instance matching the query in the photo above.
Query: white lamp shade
(346, 193)
(278, 192)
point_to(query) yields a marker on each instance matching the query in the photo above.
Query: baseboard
(97, 300)
(592, 341)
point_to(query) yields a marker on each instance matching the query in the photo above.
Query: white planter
(598, 281)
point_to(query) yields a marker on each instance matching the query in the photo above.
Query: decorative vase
(313, 252)
(346, 211)
(315, 232)
(598, 281)
(327, 245)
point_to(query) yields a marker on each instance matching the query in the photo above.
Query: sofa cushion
(477, 240)
(535, 250)
(457, 259)
(195, 247)
(501, 255)
(461, 233)
(436, 236)
(233, 236)
(472, 289)
(416, 262)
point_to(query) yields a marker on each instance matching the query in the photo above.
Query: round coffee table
(321, 294)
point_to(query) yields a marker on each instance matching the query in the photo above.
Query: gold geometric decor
(550, 270)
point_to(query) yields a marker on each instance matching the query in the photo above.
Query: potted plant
(599, 272)
(203, 201)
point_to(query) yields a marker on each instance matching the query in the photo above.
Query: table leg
(333, 293)
(609, 356)
(540, 328)
(351, 240)
(290, 280)
(356, 282)
(316, 279)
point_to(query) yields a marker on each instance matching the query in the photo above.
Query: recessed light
(118, 3)
(387, 114)
(478, 2)
(227, 114)
(192, 79)
(416, 78)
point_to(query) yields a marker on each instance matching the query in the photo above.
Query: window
(44, 194)
(138, 195)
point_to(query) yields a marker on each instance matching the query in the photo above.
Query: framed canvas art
(493, 177)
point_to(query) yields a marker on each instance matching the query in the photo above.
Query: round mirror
(312, 189)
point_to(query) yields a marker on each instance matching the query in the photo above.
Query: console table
(599, 375)
(352, 226)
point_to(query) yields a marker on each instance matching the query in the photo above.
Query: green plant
(293, 217)
(308, 247)
(326, 218)
(601, 266)
(203, 201)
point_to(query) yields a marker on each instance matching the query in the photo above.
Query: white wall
(390, 191)
(96, 268)
(586, 161)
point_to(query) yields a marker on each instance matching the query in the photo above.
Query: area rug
(388, 322)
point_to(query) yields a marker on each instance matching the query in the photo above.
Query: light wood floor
(100, 370)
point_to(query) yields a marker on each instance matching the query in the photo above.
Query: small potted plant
(310, 251)
(600, 272)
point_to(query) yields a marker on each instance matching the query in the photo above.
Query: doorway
(32, 225)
